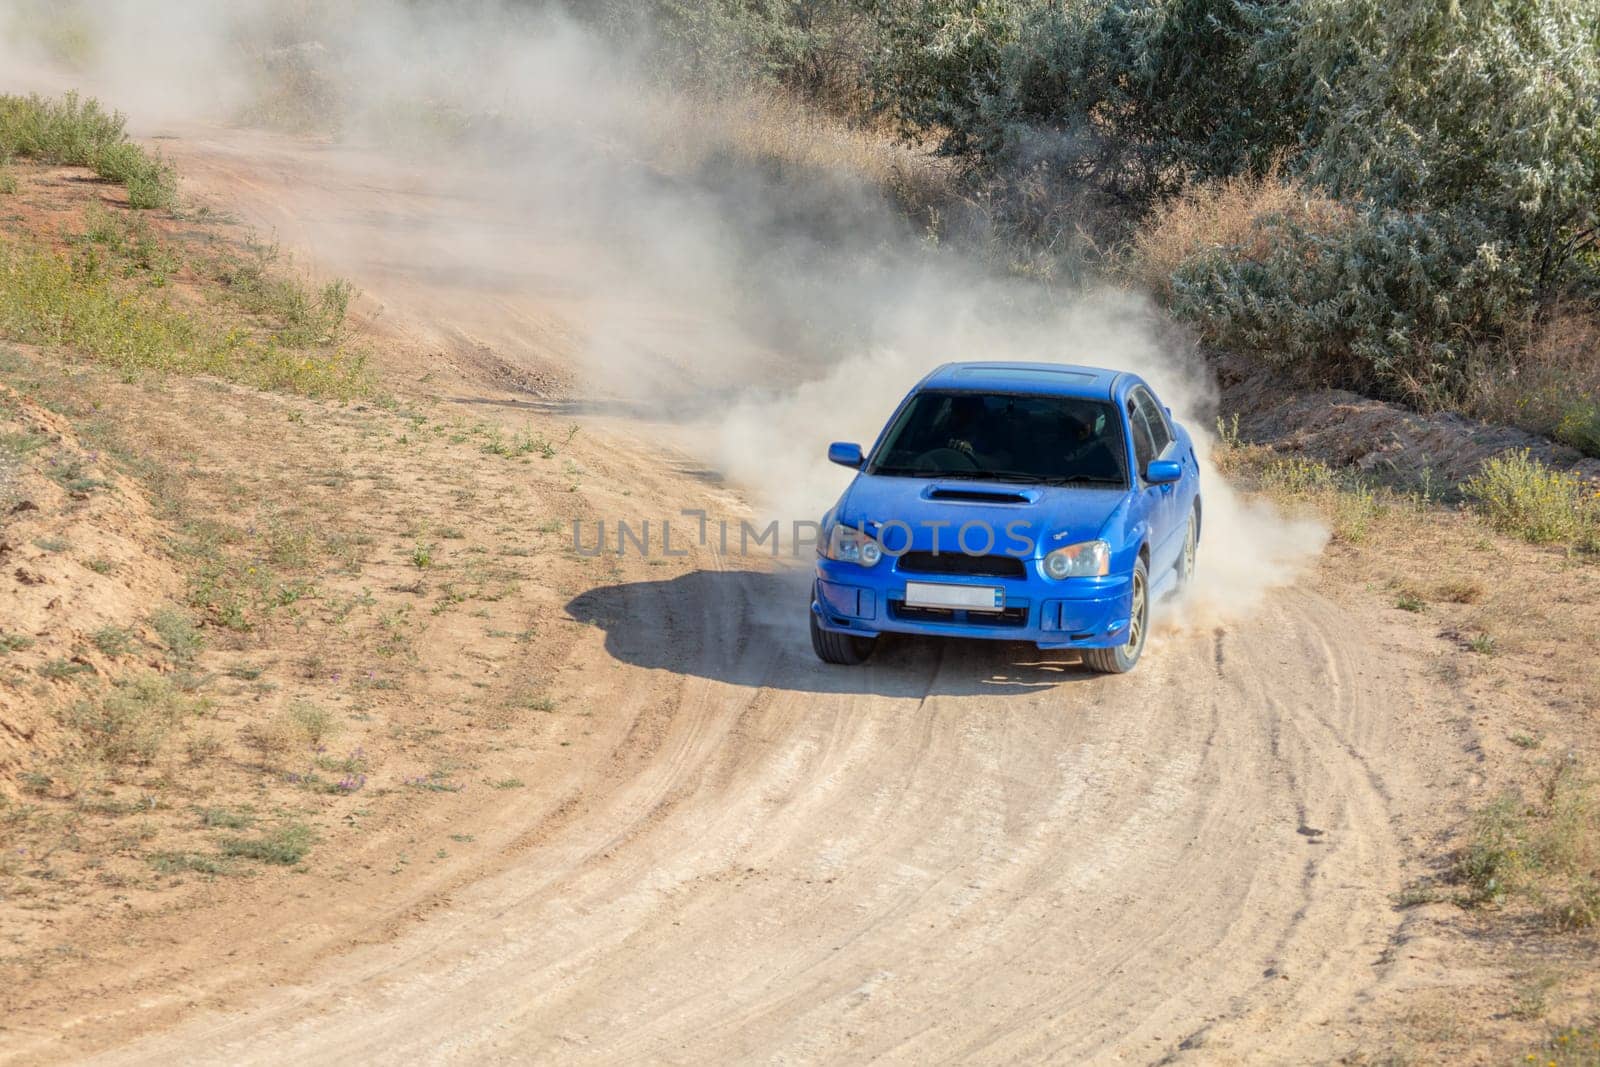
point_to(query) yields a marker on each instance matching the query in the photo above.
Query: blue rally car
(1011, 501)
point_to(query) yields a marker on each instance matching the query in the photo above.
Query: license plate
(966, 597)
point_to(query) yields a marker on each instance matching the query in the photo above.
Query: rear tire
(1121, 659)
(847, 650)
(1191, 544)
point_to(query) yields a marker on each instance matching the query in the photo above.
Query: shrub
(177, 631)
(113, 640)
(815, 47)
(150, 181)
(1520, 495)
(70, 130)
(131, 723)
(1551, 384)
(81, 133)
(1235, 215)
(315, 724)
(1390, 303)
(1127, 97)
(1460, 142)
(1484, 112)
(1545, 852)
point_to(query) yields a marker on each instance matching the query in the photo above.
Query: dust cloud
(730, 265)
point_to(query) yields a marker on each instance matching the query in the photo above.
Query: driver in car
(1087, 451)
(963, 422)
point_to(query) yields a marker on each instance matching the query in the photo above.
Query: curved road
(960, 853)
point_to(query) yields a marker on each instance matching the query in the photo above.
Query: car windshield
(1045, 440)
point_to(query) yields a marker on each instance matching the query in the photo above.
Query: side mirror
(847, 455)
(1162, 471)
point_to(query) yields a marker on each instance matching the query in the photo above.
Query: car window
(1144, 449)
(1160, 432)
(1053, 440)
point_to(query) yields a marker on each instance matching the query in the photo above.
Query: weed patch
(1545, 853)
(131, 723)
(113, 641)
(50, 299)
(1570, 1046)
(195, 862)
(1519, 495)
(79, 132)
(284, 845)
(183, 642)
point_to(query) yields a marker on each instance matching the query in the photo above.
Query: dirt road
(962, 852)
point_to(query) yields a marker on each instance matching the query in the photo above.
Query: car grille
(1017, 616)
(961, 563)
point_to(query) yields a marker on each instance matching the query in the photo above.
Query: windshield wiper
(1024, 478)
(1013, 477)
(1081, 479)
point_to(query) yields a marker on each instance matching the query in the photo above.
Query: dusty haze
(746, 288)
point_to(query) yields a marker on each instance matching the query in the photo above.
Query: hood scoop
(969, 495)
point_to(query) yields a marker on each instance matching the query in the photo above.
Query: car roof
(1044, 379)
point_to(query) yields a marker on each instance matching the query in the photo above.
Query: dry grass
(1222, 214)
(1543, 852)
(1348, 502)
(1430, 556)
(1569, 1046)
(778, 136)
(1552, 383)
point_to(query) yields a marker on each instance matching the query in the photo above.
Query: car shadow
(750, 628)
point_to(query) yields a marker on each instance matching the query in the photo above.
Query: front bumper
(1072, 613)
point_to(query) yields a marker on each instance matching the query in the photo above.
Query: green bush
(1463, 140)
(1126, 97)
(150, 181)
(81, 133)
(1521, 496)
(815, 47)
(1467, 137)
(1391, 303)
(70, 130)
(1580, 426)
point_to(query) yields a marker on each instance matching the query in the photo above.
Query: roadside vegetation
(1513, 494)
(80, 133)
(223, 655)
(1398, 201)
(1403, 203)
(1539, 852)
(123, 291)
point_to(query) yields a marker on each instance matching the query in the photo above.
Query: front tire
(1121, 659)
(847, 650)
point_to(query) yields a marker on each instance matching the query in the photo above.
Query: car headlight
(1087, 559)
(849, 545)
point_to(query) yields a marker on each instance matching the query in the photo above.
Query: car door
(1153, 439)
